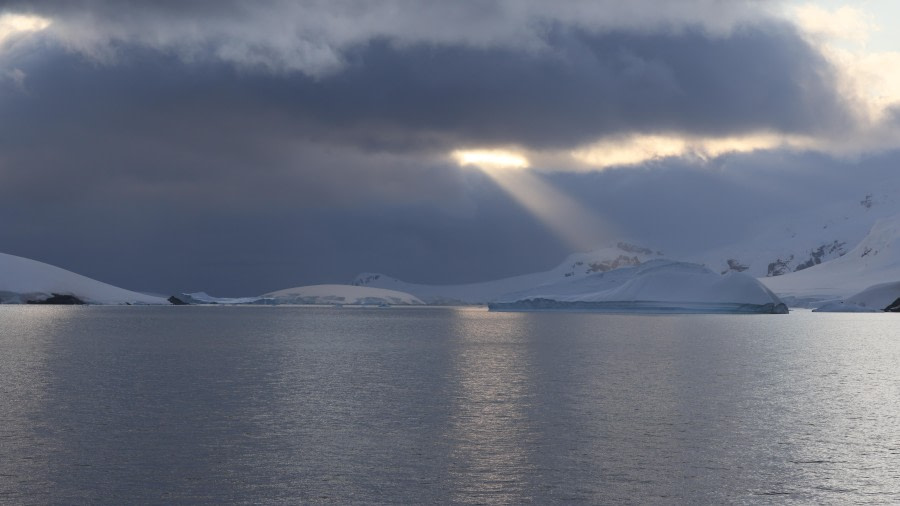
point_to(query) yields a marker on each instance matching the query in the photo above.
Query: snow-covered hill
(875, 260)
(23, 280)
(314, 294)
(655, 286)
(575, 266)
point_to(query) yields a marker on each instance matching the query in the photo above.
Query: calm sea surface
(296, 405)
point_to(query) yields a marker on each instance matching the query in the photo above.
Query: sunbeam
(565, 217)
(580, 229)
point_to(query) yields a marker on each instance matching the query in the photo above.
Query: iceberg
(340, 294)
(657, 286)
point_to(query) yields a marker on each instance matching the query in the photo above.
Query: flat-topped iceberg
(339, 294)
(657, 286)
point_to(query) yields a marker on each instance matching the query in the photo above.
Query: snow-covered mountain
(800, 242)
(827, 254)
(875, 260)
(23, 280)
(655, 286)
(575, 266)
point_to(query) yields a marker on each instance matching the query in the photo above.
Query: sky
(243, 147)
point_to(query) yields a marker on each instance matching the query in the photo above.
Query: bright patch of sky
(867, 15)
(14, 24)
(856, 38)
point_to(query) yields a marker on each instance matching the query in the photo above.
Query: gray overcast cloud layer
(244, 147)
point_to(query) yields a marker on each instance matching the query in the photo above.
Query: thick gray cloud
(183, 146)
(311, 35)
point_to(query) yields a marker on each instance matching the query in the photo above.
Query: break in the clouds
(320, 133)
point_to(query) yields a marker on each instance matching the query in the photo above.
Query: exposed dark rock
(894, 307)
(867, 202)
(779, 267)
(632, 248)
(59, 299)
(816, 255)
(620, 261)
(176, 301)
(734, 265)
(366, 280)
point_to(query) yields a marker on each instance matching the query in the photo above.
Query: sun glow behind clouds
(638, 149)
(869, 72)
(13, 24)
(490, 159)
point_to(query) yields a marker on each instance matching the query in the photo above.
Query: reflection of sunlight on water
(490, 435)
(24, 334)
(839, 416)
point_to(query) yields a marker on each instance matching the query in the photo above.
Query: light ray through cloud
(580, 229)
(565, 217)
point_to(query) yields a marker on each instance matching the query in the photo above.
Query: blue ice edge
(639, 307)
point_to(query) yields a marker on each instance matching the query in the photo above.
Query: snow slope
(875, 260)
(339, 294)
(874, 299)
(575, 266)
(654, 286)
(23, 280)
(799, 242)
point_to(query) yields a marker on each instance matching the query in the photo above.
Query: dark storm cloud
(436, 97)
(155, 123)
(589, 86)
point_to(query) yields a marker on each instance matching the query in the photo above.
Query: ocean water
(287, 405)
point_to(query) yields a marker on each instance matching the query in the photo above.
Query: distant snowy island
(849, 271)
(24, 281)
(314, 295)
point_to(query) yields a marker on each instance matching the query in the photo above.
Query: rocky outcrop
(59, 299)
